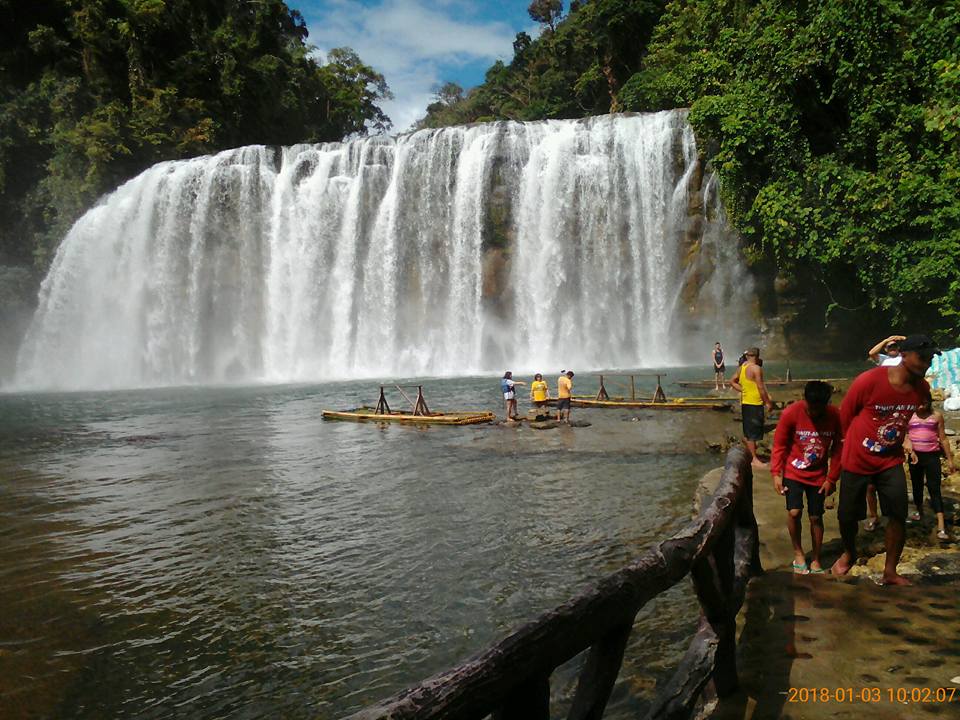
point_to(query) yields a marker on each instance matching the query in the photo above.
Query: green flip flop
(800, 568)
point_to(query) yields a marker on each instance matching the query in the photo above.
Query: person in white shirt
(887, 351)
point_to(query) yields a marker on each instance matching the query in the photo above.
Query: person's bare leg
(793, 527)
(872, 505)
(816, 540)
(752, 449)
(848, 535)
(894, 546)
(940, 525)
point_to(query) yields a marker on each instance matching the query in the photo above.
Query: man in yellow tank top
(753, 396)
(564, 395)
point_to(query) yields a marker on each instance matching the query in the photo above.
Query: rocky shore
(855, 646)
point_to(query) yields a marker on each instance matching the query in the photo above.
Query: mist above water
(592, 243)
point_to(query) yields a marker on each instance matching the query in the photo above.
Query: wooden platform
(671, 404)
(701, 384)
(367, 414)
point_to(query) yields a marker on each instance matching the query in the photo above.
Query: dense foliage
(94, 91)
(575, 68)
(834, 126)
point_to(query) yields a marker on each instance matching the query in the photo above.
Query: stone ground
(820, 631)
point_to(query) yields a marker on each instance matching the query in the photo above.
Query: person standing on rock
(925, 442)
(753, 397)
(509, 394)
(564, 395)
(807, 439)
(875, 414)
(538, 392)
(719, 368)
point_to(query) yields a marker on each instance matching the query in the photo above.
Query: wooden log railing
(511, 679)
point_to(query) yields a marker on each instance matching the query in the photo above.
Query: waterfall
(595, 243)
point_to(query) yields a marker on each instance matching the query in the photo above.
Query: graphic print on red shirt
(802, 446)
(875, 417)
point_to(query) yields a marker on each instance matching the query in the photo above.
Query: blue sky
(418, 44)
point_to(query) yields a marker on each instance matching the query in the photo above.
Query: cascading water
(593, 243)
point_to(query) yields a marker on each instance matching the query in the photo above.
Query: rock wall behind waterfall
(596, 243)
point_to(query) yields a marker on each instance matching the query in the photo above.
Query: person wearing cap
(887, 351)
(748, 381)
(874, 416)
(564, 395)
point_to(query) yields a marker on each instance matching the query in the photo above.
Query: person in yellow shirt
(538, 391)
(564, 393)
(753, 397)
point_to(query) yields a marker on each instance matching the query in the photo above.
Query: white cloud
(413, 45)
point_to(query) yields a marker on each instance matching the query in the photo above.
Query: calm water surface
(223, 552)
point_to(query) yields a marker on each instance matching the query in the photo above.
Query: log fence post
(599, 674)
(530, 701)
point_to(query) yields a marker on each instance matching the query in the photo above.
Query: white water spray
(444, 252)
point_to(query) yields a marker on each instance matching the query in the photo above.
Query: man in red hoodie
(874, 415)
(808, 436)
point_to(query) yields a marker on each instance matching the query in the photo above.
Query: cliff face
(798, 319)
(707, 279)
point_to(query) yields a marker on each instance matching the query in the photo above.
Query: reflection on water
(224, 552)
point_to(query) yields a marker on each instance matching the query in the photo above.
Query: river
(223, 552)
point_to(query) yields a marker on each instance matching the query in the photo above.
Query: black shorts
(563, 404)
(795, 492)
(721, 369)
(891, 487)
(752, 421)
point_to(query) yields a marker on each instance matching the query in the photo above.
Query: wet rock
(945, 566)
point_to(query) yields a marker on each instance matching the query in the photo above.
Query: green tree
(833, 127)
(547, 12)
(94, 91)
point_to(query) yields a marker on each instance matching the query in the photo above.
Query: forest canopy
(94, 91)
(834, 126)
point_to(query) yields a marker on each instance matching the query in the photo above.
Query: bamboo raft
(368, 414)
(659, 401)
(421, 414)
(705, 384)
(671, 404)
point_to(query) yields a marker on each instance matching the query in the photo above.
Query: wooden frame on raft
(659, 396)
(511, 679)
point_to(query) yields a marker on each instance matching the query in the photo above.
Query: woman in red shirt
(805, 444)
